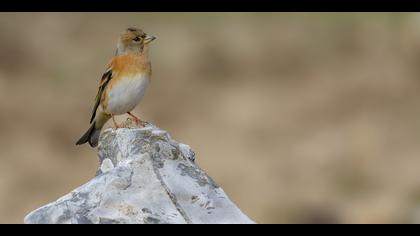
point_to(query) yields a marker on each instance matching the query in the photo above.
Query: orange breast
(126, 67)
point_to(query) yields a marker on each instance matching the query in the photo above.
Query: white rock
(144, 177)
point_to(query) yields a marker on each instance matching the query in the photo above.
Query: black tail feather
(91, 136)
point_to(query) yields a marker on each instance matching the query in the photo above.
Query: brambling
(123, 84)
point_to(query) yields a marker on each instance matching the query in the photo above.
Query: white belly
(124, 96)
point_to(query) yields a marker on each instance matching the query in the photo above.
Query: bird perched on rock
(123, 84)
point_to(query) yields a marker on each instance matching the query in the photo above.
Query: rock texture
(144, 177)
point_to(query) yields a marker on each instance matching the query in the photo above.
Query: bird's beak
(149, 38)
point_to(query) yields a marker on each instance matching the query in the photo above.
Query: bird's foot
(121, 126)
(138, 121)
(117, 126)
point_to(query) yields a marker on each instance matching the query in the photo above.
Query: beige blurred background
(300, 117)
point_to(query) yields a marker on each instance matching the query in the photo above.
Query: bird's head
(133, 40)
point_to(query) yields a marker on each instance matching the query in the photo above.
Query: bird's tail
(92, 134)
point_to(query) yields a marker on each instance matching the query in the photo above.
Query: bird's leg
(137, 120)
(115, 123)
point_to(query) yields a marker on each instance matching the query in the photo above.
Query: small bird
(123, 84)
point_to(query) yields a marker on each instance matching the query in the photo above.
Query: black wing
(106, 77)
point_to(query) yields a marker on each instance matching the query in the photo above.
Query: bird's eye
(136, 39)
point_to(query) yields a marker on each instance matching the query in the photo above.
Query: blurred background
(300, 117)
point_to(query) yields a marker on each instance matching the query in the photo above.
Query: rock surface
(144, 177)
